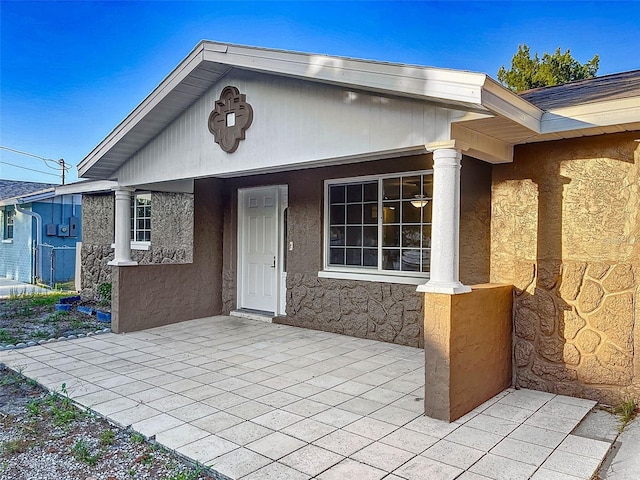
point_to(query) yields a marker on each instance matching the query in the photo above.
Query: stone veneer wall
(171, 235)
(376, 310)
(565, 224)
(388, 312)
(161, 294)
(97, 237)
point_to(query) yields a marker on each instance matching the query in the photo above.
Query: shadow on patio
(255, 400)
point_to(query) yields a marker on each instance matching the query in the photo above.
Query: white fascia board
(507, 104)
(156, 96)
(30, 198)
(93, 186)
(37, 196)
(601, 114)
(404, 80)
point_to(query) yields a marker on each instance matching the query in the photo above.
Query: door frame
(281, 193)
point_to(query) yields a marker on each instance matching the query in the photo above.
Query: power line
(57, 162)
(64, 167)
(31, 169)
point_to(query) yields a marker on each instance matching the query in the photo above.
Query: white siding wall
(295, 122)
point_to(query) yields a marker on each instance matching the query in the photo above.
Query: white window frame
(139, 244)
(360, 272)
(8, 213)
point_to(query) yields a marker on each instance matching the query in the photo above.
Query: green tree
(527, 72)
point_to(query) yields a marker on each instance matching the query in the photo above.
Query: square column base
(451, 288)
(467, 349)
(122, 263)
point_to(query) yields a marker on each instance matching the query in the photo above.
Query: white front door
(259, 253)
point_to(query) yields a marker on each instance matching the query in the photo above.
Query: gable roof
(495, 115)
(15, 189)
(210, 61)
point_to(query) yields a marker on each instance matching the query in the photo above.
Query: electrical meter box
(73, 226)
(63, 230)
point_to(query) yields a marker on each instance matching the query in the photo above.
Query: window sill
(8, 240)
(137, 245)
(374, 277)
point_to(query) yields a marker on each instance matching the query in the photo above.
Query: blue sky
(71, 71)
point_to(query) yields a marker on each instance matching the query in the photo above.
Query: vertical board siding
(295, 122)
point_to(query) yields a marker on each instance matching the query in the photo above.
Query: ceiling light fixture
(420, 201)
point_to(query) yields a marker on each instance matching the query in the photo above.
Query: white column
(122, 254)
(445, 223)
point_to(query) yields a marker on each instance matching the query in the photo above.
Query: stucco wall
(171, 235)
(467, 342)
(564, 232)
(153, 295)
(376, 310)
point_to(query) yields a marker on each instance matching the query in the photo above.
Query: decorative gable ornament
(230, 119)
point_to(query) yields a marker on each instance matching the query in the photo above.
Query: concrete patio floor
(14, 287)
(262, 401)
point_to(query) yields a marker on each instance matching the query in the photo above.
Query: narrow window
(141, 217)
(8, 223)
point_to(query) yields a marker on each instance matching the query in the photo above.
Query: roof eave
(30, 198)
(177, 74)
(85, 187)
(508, 104)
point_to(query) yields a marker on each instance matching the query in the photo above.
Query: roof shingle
(608, 87)
(16, 188)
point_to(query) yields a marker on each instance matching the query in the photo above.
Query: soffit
(147, 121)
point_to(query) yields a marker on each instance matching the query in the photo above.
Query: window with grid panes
(141, 217)
(9, 216)
(380, 224)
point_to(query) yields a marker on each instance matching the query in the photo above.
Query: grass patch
(6, 337)
(12, 379)
(626, 412)
(82, 453)
(62, 409)
(13, 447)
(37, 299)
(107, 437)
(191, 474)
(65, 286)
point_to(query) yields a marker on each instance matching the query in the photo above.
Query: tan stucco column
(467, 349)
(122, 253)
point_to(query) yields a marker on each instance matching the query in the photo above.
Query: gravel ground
(25, 318)
(43, 436)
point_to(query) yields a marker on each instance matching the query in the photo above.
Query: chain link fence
(57, 264)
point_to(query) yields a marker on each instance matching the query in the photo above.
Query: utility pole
(62, 166)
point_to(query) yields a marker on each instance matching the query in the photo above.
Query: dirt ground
(44, 436)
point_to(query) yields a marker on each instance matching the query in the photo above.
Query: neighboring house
(327, 193)
(39, 232)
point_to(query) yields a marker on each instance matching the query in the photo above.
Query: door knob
(274, 263)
